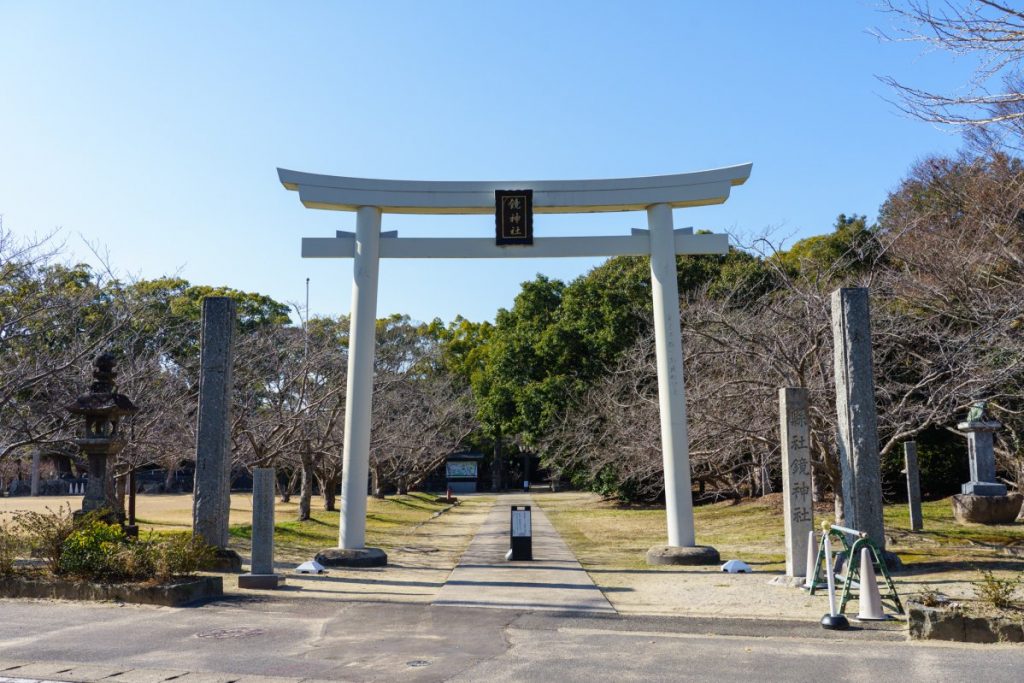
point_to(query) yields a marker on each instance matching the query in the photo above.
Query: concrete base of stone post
(968, 509)
(225, 561)
(261, 574)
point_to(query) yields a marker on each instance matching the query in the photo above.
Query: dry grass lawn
(389, 521)
(611, 541)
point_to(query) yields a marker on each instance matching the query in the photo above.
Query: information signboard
(522, 534)
(521, 523)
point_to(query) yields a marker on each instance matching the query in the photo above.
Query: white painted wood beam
(639, 244)
(341, 193)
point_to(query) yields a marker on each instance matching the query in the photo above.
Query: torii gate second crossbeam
(657, 195)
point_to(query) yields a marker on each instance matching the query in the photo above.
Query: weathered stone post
(36, 457)
(261, 572)
(796, 476)
(855, 407)
(913, 484)
(212, 500)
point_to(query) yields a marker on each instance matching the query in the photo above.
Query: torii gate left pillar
(657, 195)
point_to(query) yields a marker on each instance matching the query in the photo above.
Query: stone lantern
(102, 407)
(983, 500)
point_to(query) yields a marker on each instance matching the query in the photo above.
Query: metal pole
(671, 390)
(131, 497)
(361, 337)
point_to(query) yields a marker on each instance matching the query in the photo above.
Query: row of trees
(568, 371)
(288, 408)
(570, 368)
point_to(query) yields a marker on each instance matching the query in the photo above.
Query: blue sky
(154, 130)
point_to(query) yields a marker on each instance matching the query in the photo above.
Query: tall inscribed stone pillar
(212, 502)
(796, 476)
(855, 408)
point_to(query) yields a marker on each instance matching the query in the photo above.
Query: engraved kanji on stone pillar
(796, 476)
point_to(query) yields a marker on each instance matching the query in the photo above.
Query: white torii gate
(658, 195)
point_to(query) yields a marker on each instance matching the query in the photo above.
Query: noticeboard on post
(521, 523)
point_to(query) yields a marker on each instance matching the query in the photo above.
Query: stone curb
(933, 623)
(92, 673)
(173, 595)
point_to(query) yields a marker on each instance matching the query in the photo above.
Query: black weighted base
(835, 623)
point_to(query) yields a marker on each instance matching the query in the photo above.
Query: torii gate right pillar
(675, 451)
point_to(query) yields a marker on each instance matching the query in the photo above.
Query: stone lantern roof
(102, 406)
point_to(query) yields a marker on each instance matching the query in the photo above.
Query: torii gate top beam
(339, 193)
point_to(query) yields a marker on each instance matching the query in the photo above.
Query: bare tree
(422, 412)
(54, 318)
(990, 106)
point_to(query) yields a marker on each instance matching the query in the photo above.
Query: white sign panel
(521, 523)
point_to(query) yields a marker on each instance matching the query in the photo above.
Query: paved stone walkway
(554, 580)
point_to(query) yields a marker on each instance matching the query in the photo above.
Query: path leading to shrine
(554, 580)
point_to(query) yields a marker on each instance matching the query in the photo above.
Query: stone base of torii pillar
(674, 554)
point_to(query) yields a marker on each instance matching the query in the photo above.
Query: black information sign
(513, 215)
(522, 534)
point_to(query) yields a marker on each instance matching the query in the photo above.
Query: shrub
(136, 560)
(10, 544)
(996, 592)
(45, 533)
(181, 555)
(91, 551)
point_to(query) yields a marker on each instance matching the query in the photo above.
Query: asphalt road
(267, 640)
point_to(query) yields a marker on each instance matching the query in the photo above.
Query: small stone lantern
(983, 500)
(102, 409)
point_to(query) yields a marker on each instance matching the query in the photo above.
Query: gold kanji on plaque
(513, 217)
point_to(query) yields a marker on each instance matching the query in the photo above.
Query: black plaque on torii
(513, 217)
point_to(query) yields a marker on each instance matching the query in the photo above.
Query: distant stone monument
(855, 408)
(913, 484)
(983, 500)
(102, 407)
(261, 572)
(796, 477)
(212, 502)
(37, 456)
